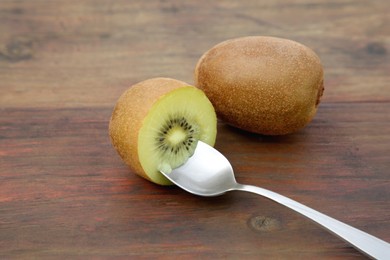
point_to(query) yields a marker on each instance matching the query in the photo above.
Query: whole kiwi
(261, 84)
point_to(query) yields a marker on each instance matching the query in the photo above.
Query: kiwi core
(176, 136)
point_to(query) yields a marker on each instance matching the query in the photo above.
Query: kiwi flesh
(157, 123)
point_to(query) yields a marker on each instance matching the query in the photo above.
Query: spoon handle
(366, 243)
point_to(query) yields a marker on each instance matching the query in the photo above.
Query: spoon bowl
(208, 173)
(214, 174)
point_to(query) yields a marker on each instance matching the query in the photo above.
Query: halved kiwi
(157, 123)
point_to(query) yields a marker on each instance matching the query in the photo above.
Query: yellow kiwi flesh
(156, 124)
(262, 84)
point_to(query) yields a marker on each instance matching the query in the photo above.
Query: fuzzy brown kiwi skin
(253, 89)
(128, 114)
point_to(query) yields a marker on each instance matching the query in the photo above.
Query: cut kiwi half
(157, 123)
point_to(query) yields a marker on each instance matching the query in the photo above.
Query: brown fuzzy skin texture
(128, 115)
(265, 85)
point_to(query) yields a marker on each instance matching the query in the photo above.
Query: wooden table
(65, 193)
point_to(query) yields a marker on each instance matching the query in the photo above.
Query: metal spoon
(209, 173)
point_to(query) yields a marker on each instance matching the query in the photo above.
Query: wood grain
(64, 50)
(65, 193)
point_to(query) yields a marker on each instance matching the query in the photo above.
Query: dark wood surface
(65, 193)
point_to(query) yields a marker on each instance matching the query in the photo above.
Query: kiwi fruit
(261, 84)
(157, 123)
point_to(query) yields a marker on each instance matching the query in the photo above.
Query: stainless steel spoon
(209, 173)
